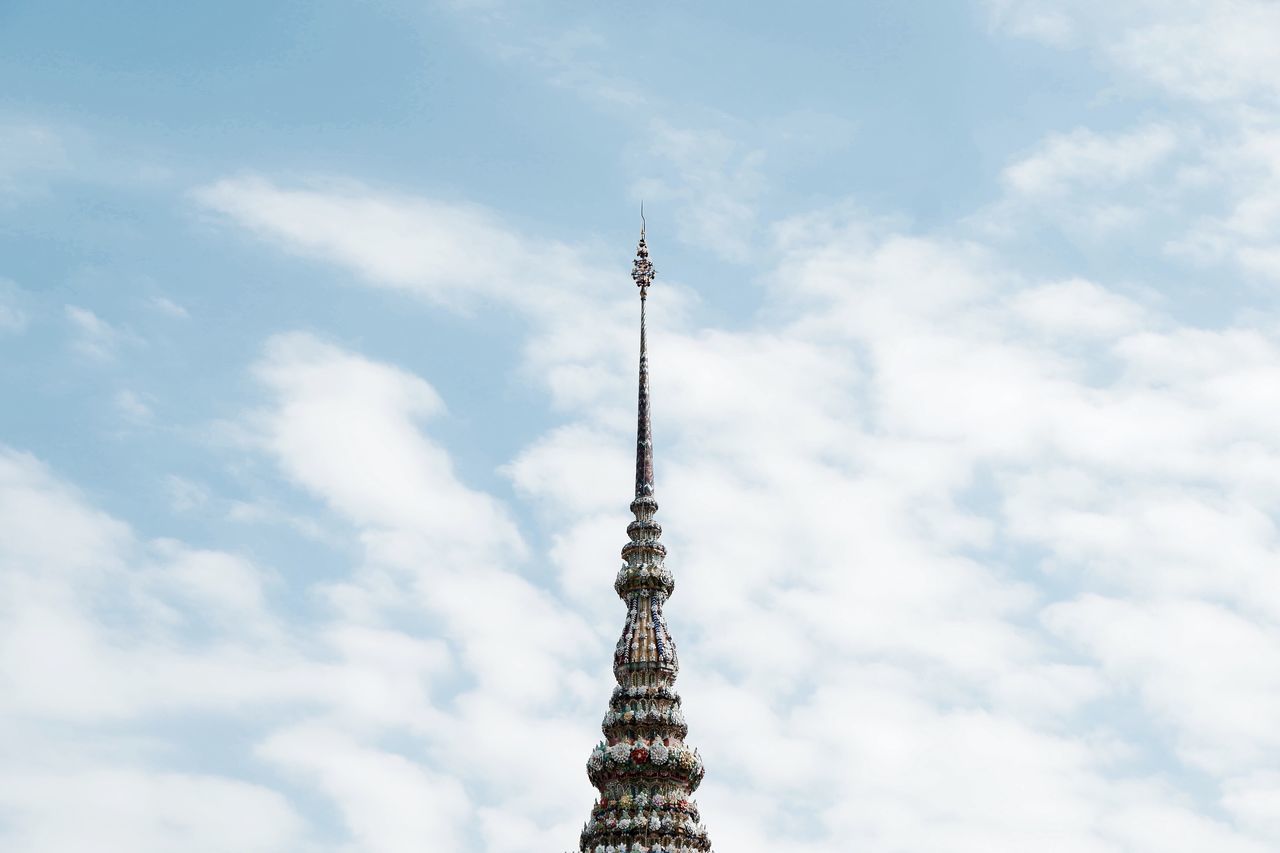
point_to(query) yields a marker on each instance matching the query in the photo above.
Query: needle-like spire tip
(642, 272)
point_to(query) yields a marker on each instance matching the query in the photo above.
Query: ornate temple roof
(643, 769)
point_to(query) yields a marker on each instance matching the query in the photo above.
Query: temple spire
(644, 770)
(642, 272)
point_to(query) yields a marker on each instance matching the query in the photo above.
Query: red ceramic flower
(639, 755)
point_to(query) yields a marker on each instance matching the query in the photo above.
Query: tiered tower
(645, 772)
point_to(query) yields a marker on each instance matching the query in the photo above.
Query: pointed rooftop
(643, 769)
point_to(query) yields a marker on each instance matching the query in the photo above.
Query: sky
(317, 361)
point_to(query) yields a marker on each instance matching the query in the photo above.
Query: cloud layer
(973, 553)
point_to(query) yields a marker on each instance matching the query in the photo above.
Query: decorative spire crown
(642, 271)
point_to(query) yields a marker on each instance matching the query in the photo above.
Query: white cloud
(1213, 51)
(33, 505)
(334, 408)
(449, 253)
(1205, 671)
(184, 494)
(1254, 801)
(167, 306)
(132, 406)
(1085, 157)
(1038, 20)
(1094, 187)
(347, 430)
(344, 428)
(71, 575)
(91, 632)
(13, 318)
(117, 808)
(226, 587)
(1210, 50)
(95, 338)
(1078, 307)
(103, 635)
(1240, 227)
(1207, 181)
(388, 803)
(28, 149)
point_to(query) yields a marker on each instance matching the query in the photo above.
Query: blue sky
(317, 342)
